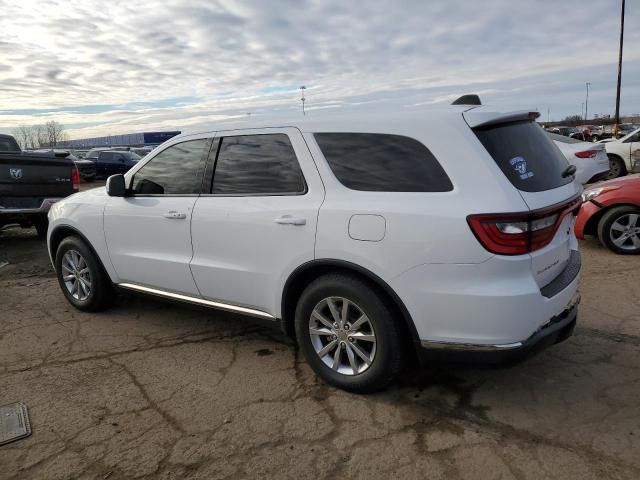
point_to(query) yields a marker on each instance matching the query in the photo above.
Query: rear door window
(382, 163)
(526, 155)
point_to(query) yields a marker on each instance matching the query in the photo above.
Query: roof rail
(469, 99)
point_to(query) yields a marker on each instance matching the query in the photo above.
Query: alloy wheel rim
(342, 335)
(625, 232)
(76, 275)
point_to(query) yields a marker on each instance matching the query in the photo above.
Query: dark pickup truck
(31, 182)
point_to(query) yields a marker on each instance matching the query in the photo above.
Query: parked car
(591, 133)
(623, 130)
(31, 182)
(571, 132)
(611, 211)
(86, 168)
(590, 159)
(365, 236)
(110, 161)
(622, 154)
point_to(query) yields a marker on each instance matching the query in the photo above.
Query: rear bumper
(44, 207)
(557, 329)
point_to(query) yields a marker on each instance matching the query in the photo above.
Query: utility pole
(586, 103)
(617, 119)
(548, 113)
(302, 89)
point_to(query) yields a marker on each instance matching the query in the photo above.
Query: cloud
(119, 67)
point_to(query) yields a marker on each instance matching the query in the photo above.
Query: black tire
(101, 291)
(594, 138)
(42, 224)
(617, 167)
(387, 359)
(607, 235)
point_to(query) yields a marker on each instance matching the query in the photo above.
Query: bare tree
(40, 135)
(22, 135)
(54, 132)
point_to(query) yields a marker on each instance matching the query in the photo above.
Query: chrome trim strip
(469, 347)
(198, 301)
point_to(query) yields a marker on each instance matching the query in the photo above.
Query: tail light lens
(520, 233)
(586, 154)
(75, 178)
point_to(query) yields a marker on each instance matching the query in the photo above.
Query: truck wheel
(41, 224)
(348, 334)
(81, 276)
(619, 230)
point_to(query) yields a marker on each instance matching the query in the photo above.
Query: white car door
(259, 222)
(148, 232)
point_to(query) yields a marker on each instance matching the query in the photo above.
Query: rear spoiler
(478, 118)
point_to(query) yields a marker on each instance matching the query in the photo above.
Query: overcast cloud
(118, 67)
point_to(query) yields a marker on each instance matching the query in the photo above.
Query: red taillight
(586, 154)
(519, 233)
(75, 178)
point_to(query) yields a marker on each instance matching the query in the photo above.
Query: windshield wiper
(570, 170)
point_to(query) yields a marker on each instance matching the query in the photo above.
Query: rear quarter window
(526, 155)
(382, 163)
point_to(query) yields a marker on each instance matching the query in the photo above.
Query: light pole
(617, 119)
(586, 103)
(302, 89)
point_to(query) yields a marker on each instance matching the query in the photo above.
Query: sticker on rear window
(519, 164)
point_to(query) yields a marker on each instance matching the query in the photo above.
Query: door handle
(175, 215)
(289, 220)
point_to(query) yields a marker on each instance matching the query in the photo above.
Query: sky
(109, 67)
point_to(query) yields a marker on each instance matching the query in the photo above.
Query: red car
(611, 210)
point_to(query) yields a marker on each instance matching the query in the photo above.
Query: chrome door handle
(289, 220)
(175, 215)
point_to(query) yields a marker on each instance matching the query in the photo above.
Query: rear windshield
(526, 155)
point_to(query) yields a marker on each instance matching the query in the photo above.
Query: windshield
(526, 155)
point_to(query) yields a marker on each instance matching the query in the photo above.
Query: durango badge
(520, 165)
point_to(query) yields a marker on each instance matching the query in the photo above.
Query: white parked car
(590, 159)
(365, 236)
(624, 154)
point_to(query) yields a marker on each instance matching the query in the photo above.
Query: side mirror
(116, 186)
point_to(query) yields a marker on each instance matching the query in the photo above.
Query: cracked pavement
(151, 389)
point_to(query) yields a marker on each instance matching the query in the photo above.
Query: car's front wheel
(82, 279)
(348, 334)
(619, 230)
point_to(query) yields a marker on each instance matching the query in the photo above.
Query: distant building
(126, 140)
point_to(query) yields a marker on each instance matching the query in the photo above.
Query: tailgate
(536, 168)
(35, 176)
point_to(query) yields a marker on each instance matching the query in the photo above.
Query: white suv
(368, 237)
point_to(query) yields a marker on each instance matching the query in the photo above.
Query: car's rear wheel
(616, 167)
(619, 230)
(348, 334)
(82, 279)
(594, 138)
